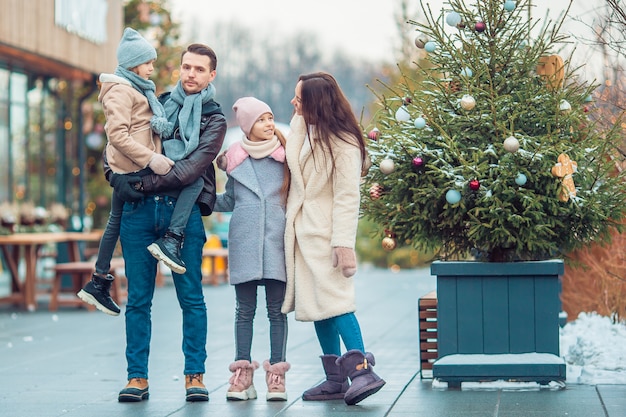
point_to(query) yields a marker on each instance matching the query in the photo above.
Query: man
(190, 107)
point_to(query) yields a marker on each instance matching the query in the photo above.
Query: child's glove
(345, 258)
(160, 164)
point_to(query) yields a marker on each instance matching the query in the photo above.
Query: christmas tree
(495, 153)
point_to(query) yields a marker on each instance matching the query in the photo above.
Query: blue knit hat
(134, 50)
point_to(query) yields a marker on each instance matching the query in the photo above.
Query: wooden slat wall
(29, 26)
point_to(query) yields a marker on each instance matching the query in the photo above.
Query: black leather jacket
(197, 163)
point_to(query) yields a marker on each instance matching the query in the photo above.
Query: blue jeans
(329, 330)
(144, 222)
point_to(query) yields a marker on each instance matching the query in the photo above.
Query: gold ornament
(389, 242)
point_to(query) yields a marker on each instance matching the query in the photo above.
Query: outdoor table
(26, 246)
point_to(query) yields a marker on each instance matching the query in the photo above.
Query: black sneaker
(96, 293)
(167, 249)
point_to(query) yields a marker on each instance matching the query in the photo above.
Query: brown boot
(242, 380)
(275, 378)
(135, 391)
(195, 389)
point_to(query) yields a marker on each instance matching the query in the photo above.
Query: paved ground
(72, 364)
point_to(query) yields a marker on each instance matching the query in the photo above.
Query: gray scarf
(187, 110)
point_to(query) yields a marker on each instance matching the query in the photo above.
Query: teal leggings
(329, 330)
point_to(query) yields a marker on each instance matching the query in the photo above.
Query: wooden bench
(80, 273)
(213, 254)
(427, 306)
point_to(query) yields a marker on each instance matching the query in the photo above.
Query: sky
(364, 28)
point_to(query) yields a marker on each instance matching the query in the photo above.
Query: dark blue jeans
(345, 326)
(144, 222)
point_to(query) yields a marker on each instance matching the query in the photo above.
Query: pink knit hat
(248, 110)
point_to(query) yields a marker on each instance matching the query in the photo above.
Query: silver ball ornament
(511, 144)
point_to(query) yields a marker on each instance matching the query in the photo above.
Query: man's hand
(126, 186)
(345, 258)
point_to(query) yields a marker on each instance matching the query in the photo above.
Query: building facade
(51, 52)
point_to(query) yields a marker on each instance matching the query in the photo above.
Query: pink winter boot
(241, 382)
(275, 378)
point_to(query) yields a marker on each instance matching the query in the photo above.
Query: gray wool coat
(257, 226)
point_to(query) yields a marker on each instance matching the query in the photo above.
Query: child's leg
(96, 291)
(274, 296)
(184, 204)
(276, 367)
(167, 248)
(244, 317)
(110, 236)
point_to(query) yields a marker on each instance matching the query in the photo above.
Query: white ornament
(468, 102)
(511, 144)
(387, 166)
(564, 106)
(402, 114)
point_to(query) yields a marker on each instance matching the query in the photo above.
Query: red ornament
(374, 134)
(474, 185)
(480, 26)
(407, 100)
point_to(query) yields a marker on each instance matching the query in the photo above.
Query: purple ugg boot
(335, 386)
(359, 368)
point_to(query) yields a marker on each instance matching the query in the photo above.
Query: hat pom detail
(161, 126)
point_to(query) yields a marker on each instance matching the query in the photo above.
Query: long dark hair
(326, 108)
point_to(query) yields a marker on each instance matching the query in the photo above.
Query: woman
(325, 153)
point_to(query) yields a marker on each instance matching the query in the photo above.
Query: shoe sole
(276, 396)
(90, 299)
(197, 397)
(156, 251)
(324, 397)
(249, 394)
(369, 390)
(133, 398)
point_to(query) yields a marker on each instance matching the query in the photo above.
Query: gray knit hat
(134, 50)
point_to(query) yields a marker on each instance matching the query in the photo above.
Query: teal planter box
(498, 321)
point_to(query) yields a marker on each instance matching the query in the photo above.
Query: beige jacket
(322, 213)
(131, 141)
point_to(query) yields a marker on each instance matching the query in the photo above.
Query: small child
(256, 191)
(134, 121)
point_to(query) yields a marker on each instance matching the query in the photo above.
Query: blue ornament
(520, 179)
(453, 196)
(430, 46)
(509, 5)
(589, 99)
(466, 72)
(453, 19)
(420, 123)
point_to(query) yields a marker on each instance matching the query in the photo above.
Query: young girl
(256, 191)
(326, 153)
